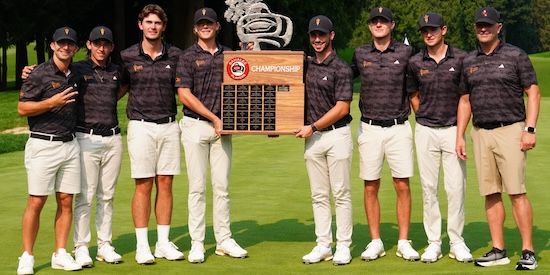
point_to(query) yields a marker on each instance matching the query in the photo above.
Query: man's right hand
(27, 71)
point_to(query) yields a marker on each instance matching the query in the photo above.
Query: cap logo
(380, 9)
(66, 31)
(484, 13)
(317, 21)
(426, 18)
(102, 31)
(203, 11)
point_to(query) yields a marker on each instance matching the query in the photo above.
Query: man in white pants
(433, 79)
(329, 144)
(201, 138)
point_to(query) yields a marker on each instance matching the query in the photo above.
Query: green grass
(272, 217)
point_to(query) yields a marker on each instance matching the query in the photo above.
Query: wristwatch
(313, 127)
(530, 130)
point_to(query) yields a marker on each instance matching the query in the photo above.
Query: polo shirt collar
(93, 65)
(495, 51)
(327, 60)
(58, 71)
(448, 54)
(391, 47)
(198, 48)
(163, 51)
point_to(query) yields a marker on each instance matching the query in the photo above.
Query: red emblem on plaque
(237, 68)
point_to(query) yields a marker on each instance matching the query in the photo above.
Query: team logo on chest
(237, 68)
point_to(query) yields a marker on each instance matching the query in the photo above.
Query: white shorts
(154, 149)
(52, 166)
(394, 143)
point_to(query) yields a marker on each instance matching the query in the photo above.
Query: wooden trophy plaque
(262, 92)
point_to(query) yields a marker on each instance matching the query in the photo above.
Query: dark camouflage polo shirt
(383, 76)
(202, 72)
(152, 94)
(327, 83)
(98, 95)
(437, 85)
(45, 81)
(496, 83)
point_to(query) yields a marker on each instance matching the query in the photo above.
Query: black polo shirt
(383, 76)
(152, 94)
(202, 72)
(326, 83)
(98, 95)
(46, 81)
(437, 84)
(496, 83)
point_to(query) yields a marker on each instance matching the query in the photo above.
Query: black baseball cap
(207, 14)
(65, 33)
(487, 15)
(101, 32)
(430, 19)
(320, 23)
(381, 12)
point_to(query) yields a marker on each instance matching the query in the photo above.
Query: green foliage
(12, 143)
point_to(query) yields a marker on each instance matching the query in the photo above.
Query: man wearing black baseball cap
(207, 14)
(384, 131)
(498, 75)
(52, 159)
(328, 143)
(432, 83)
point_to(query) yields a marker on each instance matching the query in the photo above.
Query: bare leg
(372, 207)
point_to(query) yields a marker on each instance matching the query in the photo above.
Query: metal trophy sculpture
(256, 23)
(262, 91)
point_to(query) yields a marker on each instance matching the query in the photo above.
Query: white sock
(377, 240)
(141, 236)
(163, 231)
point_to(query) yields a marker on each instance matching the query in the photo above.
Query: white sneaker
(82, 256)
(106, 253)
(231, 248)
(373, 250)
(342, 256)
(26, 264)
(432, 253)
(461, 253)
(319, 253)
(405, 251)
(62, 260)
(169, 251)
(144, 256)
(196, 255)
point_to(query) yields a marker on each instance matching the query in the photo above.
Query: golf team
(75, 144)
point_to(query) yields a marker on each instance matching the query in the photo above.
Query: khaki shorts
(154, 149)
(499, 160)
(52, 166)
(393, 143)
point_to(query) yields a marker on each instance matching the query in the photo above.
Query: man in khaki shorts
(494, 80)
(52, 157)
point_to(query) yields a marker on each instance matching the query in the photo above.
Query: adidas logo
(325, 78)
(115, 78)
(452, 69)
(501, 66)
(396, 62)
(168, 67)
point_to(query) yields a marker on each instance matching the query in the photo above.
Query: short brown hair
(154, 9)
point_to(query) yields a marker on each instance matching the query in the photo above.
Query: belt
(332, 127)
(493, 125)
(159, 121)
(385, 123)
(107, 133)
(52, 137)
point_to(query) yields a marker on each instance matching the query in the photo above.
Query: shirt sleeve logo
(88, 77)
(178, 79)
(56, 85)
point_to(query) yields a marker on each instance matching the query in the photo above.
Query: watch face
(531, 129)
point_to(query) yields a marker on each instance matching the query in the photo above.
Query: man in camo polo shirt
(384, 131)
(494, 80)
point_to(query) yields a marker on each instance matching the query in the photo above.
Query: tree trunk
(40, 48)
(21, 60)
(4, 69)
(184, 13)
